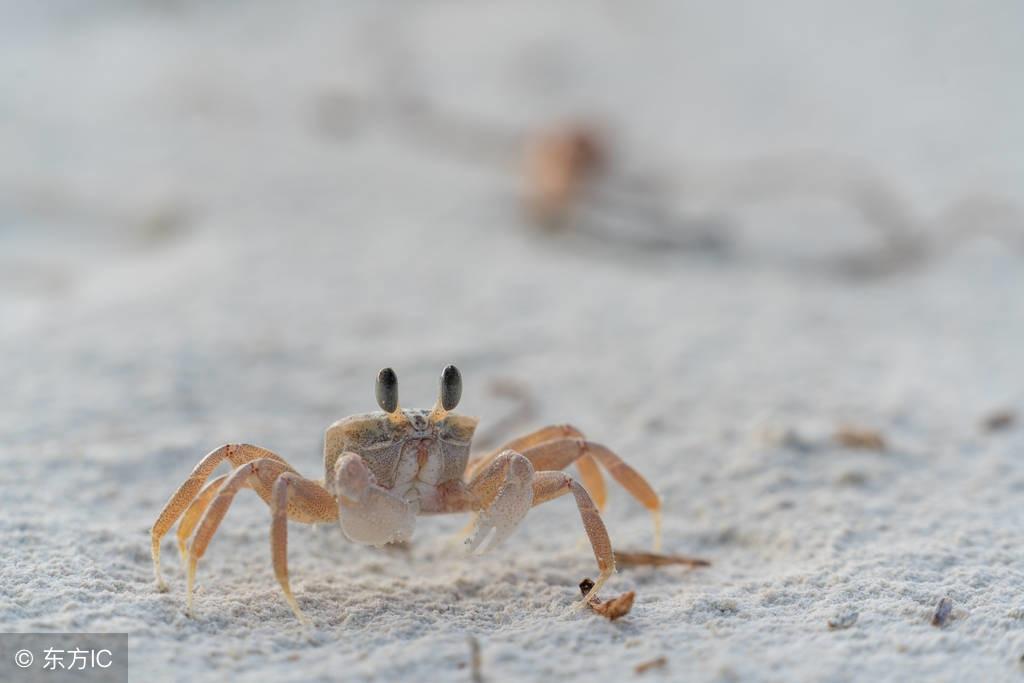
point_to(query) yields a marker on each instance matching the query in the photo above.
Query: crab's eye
(387, 390)
(451, 387)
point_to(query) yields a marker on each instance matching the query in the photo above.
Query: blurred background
(191, 191)
(680, 226)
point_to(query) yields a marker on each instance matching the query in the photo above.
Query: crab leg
(291, 491)
(236, 454)
(550, 485)
(214, 514)
(508, 487)
(554, 455)
(194, 513)
(558, 446)
(528, 440)
(309, 502)
(587, 466)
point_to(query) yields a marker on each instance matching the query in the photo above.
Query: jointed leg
(587, 466)
(236, 454)
(550, 485)
(507, 487)
(215, 511)
(290, 490)
(592, 480)
(521, 443)
(586, 458)
(556, 454)
(308, 502)
(194, 513)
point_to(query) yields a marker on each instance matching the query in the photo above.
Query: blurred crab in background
(382, 469)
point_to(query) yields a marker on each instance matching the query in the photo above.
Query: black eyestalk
(387, 390)
(451, 387)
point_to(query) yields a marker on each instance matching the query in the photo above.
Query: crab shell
(403, 446)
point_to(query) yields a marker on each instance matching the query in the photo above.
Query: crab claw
(510, 505)
(369, 514)
(352, 478)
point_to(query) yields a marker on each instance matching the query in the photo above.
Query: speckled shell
(378, 440)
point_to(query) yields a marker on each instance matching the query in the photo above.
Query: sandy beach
(218, 222)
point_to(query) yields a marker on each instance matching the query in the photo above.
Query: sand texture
(218, 221)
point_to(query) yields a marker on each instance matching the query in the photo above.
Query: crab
(383, 468)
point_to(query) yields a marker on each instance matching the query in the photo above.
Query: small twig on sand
(999, 420)
(644, 667)
(631, 559)
(860, 438)
(474, 661)
(618, 606)
(942, 612)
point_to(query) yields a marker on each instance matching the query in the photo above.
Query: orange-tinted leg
(236, 454)
(558, 454)
(301, 499)
(550, 485)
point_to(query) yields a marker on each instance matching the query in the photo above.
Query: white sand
(190, 254)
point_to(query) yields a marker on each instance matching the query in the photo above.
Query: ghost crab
(381, 469)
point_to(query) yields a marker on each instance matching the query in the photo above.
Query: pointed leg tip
(158, 579)
(476, 542)
(297, 611)
(190, 590)
(482, 546)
